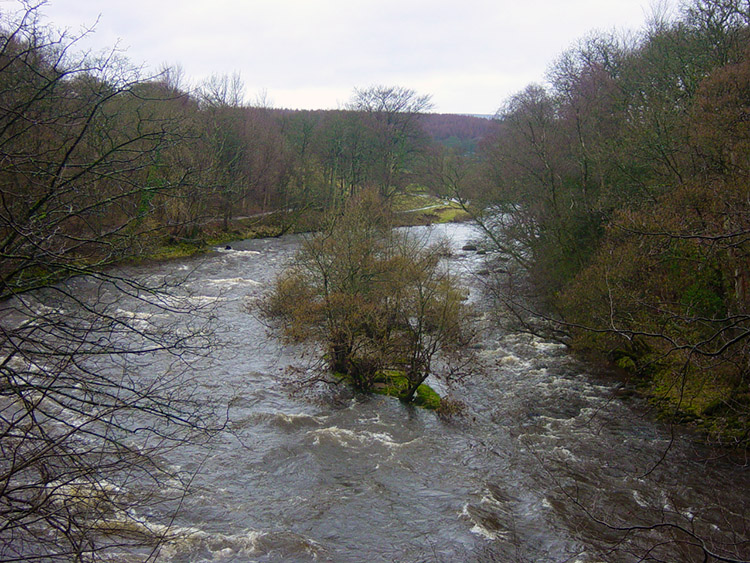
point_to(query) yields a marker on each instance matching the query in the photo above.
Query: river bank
(410, 209)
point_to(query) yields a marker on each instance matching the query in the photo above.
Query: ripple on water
(286, 421)
(487, 523)
(231, 282)
(198, 546)
(345, 438)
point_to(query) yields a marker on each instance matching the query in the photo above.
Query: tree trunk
(415, 380)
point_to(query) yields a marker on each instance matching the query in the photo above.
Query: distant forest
(445, 128)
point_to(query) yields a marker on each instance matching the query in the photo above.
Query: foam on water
(534, 423)
(234, 281)
(485, 524)
(236, 252)
(351, 439)
(287, 421)
(199, 546)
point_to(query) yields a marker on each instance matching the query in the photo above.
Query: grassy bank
(213, 234)
(699, 399)
(415, 207)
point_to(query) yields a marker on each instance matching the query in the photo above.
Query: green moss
(452, 214)
(693, 390)
(700, 399)
(709, 400)
(393, 383)
(427, 397)
(417, 207)
(178, 250)
(626, 363)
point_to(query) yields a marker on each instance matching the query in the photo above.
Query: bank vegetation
(617, 197)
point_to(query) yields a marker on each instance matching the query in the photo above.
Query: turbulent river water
(548, 460)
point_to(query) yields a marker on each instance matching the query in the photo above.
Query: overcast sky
(470, 55)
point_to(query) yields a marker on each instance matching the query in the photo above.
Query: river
(547, 460)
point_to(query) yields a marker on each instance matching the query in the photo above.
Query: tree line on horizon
(93, 150)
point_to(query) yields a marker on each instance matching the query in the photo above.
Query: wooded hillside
(625, 183)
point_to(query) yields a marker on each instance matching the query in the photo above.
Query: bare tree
(85, 417)
(246, 157)
(391, 116)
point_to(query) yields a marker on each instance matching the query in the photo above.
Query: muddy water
(546, 464)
